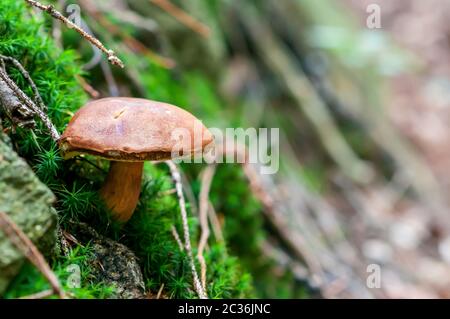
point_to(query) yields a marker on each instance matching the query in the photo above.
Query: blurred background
(364, 119)
(360, 90)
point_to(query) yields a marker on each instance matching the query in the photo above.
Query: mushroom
(129, 131)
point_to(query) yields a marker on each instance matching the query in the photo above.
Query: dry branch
(216, 226)
(183, 17)
(207, 177)
(160, 291)
(177, 237)
(14, 109)
(39, 295)
(187, 240)
(112, 57)
(30, 251)
(89, 89)
(37, 97)
(15, 101)
(131, 42)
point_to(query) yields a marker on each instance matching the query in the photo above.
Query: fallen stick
(39, 295)
(183, 17)
(30, 251)
(16, 102)
(187, 240)
(14, 109)
(207, 177)
(112, 57)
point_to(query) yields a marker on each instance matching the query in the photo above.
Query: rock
(112, 263)
(29, 203)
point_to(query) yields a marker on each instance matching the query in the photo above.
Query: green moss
(31, 281)
(149, 234)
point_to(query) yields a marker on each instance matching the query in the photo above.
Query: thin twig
(131, 42)
(177, 237)
(214, 220)
(160, 291)
(37, 97)
(112, 57)
(40, 295)
(187, 240)
(14, 109)
(87, 87)
(183, 17)
(207, 177)
(166, 192)
(29, 104)
(26, 246)
(189, 193)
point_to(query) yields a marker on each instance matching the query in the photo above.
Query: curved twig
(207, 177)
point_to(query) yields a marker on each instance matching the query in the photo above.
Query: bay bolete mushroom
(129, 131)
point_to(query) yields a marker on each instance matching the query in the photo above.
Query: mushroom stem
(122, 188)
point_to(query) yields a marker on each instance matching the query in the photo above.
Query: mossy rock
(111, 263)
(29, 203)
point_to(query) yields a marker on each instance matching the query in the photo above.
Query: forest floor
(419, 106)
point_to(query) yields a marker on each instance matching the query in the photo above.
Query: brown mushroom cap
(132, 129)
